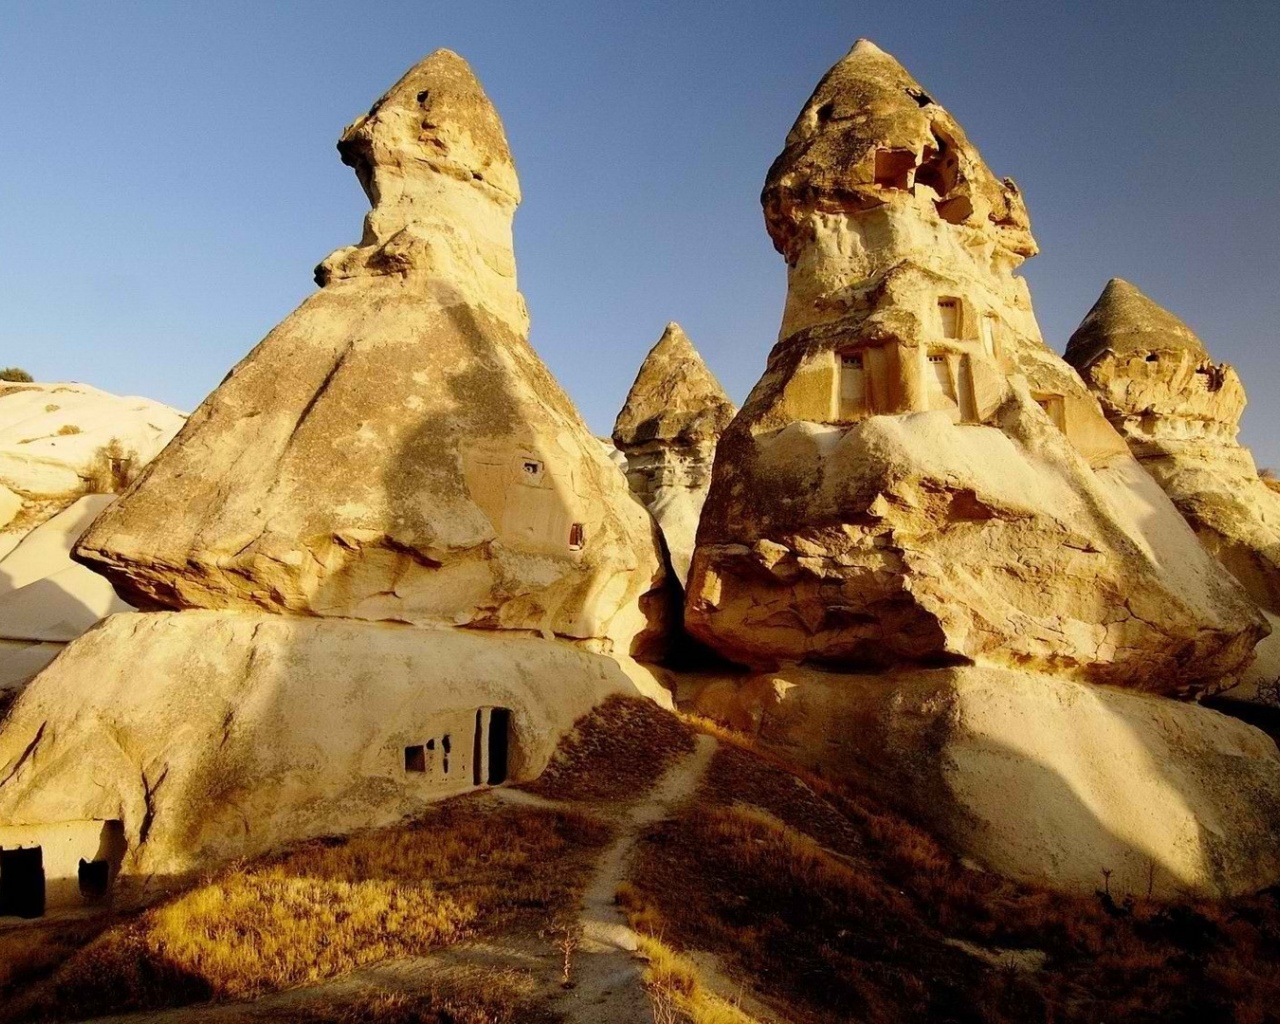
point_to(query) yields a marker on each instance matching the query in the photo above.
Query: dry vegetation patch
(835, 907)
(615, 753)
(326, 907)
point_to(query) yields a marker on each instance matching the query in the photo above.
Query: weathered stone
(209, 736)
(917, 478)
(1179, 412)
(1042, 779)
(395, 450)
(667, 431)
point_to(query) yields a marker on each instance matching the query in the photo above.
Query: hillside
(660, 870)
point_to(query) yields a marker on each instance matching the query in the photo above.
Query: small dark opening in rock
(499, 745)
(477, 749)
(415, 758)
(448, 749)
(893, 168)
(95, 878)
(922, 98)
(577, 537)
(22, 882)
(424, 96)
(1153, 358)
(825, 111)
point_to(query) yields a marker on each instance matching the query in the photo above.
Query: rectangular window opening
(949, 311)
(577, 536)
(499, 745)
(22, 882)
(415, 758)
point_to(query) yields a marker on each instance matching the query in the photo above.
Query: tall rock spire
(667, 429)
(1179, 412)
(395, 450)
(917, 478)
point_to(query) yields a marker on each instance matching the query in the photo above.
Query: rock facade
(667, 431)
(917, 478)
(395, 450)
(1179, 412)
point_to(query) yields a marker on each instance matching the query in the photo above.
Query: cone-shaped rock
(917, 478)
(668, 429)
(1124, 322)
(395, 450)
(1180, 411)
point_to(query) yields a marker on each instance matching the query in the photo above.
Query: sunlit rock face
(392, 462)
(66, 450)
(1179, 412)
(667, 431)
(917, 478)
(395, 450)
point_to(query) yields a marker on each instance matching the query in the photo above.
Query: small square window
(577, 537)
(415, 758)
(853, 361)
(531, 469)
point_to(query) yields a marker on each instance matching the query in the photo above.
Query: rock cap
(1124, 320)
(675, 396)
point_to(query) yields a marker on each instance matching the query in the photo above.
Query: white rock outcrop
(667, 432)
(1046, 780)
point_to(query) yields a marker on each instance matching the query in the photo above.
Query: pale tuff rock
(667, 431)
(61, 441)
(46, 599)
(395, 450)
(1180, 411)
(196, 737)
(1039, 778)
(65, 451)
(917, 478)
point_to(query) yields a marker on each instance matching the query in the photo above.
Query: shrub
(16, 375)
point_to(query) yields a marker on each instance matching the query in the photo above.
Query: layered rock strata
(1179, 412)
(917, 478)
(667, 431)
(395, 450)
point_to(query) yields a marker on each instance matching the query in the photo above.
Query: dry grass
(31, 952)
(617, 752)
(676, 991)
(324, 908)
(750, 874)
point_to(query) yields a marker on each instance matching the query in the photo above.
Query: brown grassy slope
(326, 907)
(748, 872)
(615, 753)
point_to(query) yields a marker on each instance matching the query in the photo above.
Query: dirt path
(607, 976)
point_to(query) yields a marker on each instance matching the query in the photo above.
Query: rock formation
(393, 461)
(1179, 412)
(65, 451)
(395, 450)
(917, 478)
(919, 486)
(667, 431)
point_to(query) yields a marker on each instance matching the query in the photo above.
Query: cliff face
(917, 478)
(667, 430)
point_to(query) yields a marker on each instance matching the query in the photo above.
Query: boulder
(917, 479)
(395, 450)
(1058, 783)
(1179, 412)
(191, 738)
(667, 431)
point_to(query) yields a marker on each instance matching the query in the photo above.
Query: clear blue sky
(170, 177)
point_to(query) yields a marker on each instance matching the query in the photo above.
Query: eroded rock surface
(201, 736)
(917, 478)
(667, 431)
(1179, 412)
(395, 449)
(1054, 782)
